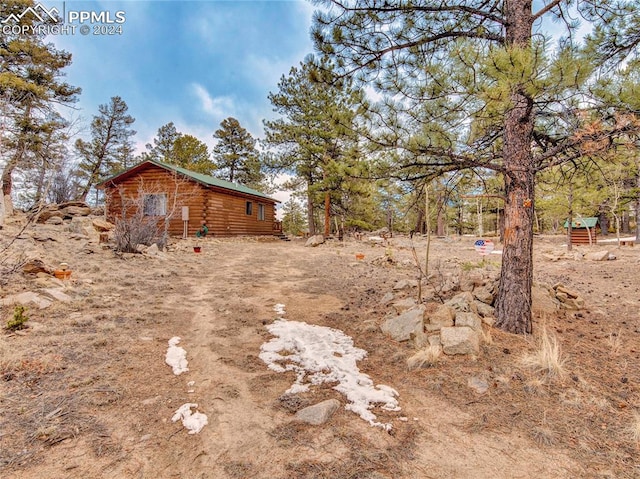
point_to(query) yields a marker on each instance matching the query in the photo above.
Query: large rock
(463, 340)
(405, 326)
(102, 225)
(74, 210)
(58, 294)
(27, 297)
(463, 302)
(404, 304)
(470, 320)
(64, 211)
(443, 316)
(597, 256)
(319, 413)
(315, 240)
(54, 220)
(542, 300)
(484, 294)
(484, 309)
(35, 266)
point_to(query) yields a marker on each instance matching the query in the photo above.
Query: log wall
(581, 236)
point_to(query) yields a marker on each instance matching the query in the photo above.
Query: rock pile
(456, 327)
(57, 213)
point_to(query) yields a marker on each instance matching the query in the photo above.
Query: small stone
(480, 386)
(387, 298)
(319, 413)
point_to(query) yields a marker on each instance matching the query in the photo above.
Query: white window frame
(261, 212)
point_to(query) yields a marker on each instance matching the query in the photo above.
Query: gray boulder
(597, 256)
(404, 304)
(405, 326)
(463, 302)
(318, 413)
(484, 294)
(315, 240)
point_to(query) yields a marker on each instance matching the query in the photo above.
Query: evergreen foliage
(316, 137)
(31, 85)
(192, 154)
(110, 149)
(235, 155)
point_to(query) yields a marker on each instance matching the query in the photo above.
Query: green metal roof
(199, 177)
(582, 222)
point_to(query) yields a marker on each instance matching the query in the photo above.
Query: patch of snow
(320, 355)
(194, 422)
(176, 357)
(279, 309)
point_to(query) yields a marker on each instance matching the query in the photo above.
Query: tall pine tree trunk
(310, 219)
(513, 304)
(638, 203)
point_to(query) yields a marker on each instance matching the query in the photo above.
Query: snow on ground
(194, 422)
(317, 355)
(176, 357)
(279, 309)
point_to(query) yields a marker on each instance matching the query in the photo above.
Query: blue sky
(190, 62)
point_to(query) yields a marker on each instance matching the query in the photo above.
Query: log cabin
(184, 199)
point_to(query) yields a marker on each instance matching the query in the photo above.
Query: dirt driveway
(86, 393)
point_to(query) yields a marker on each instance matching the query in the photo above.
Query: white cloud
(218, 107)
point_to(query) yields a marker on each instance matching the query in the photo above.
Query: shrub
(19, 318)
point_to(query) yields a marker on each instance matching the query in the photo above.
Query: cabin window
(155, 204)
(249, 208)
(260, 212)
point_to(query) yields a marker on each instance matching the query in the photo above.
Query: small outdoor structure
(583, 230)
(183, 199)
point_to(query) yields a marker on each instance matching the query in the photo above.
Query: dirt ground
(85, 392)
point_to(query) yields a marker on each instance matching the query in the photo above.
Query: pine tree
(293, 220)
(110, 149)
(163, 143)
(467, 85)
(31, 85)
(236, 156)
(317, 135)
(190, 153)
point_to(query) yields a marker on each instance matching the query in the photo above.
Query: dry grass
(634, 428)
(364, 459)
(425, 358)
(614, 341)
(548, 357)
